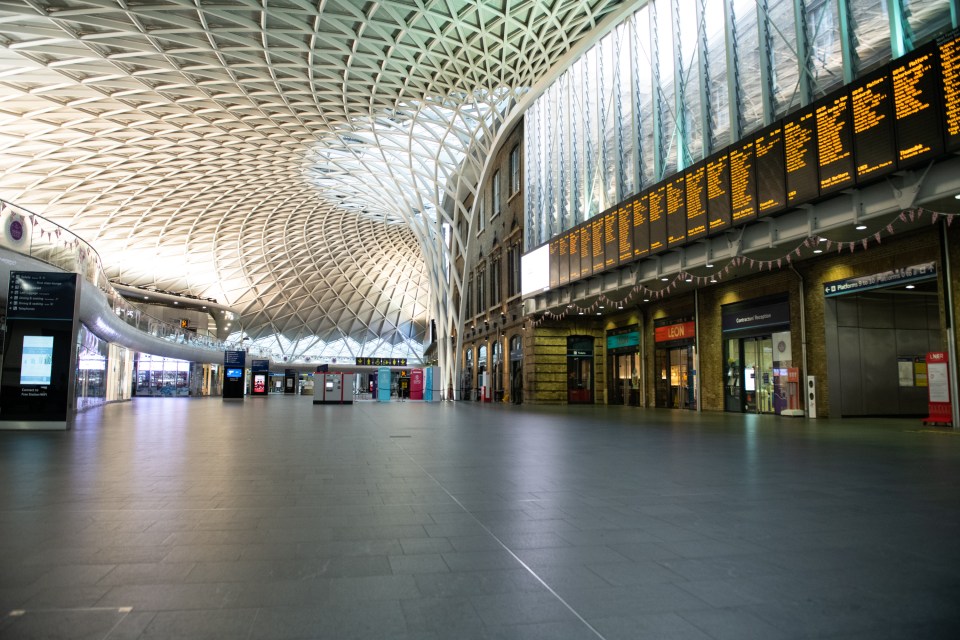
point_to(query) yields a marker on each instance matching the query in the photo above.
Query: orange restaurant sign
(675, 332)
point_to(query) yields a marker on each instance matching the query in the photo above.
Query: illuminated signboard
(381, 362)
(897, 117)
(835, 144)
(696, 188)
(771, 171)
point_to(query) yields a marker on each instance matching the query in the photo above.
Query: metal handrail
(33, 235)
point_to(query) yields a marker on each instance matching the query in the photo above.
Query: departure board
(950, 71)
(574, 255)
(657, 207)
(625, 232)
(641, 227)
(586, 251)
(611, 243)
(555, 263)
(800, 156)
(901, 116)
(598, 243)
(874, 147)
(743, 183)
(718, 193)
(564, 259)
(915, 104)
(696, 188)
(771, 171)
(835, 144)
(676, 211)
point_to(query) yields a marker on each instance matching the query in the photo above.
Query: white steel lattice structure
(304, 161)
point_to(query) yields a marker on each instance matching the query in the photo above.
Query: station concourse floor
(275, 518)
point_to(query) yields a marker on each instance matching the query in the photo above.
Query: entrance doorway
(580, 370)
(676, 387)
(625, 379)
(750, 374)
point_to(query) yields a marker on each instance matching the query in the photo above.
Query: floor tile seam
(503, 545)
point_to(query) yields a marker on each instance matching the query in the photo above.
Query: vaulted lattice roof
(293, 159)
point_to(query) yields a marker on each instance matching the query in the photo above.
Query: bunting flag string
(639, 292)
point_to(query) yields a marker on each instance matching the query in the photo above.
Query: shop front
(757, 353)
(623, 353)
(675, 356)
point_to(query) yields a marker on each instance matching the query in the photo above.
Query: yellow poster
(920, 373)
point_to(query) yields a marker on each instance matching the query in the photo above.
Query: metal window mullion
(733, 84)
(766, 62)
(705, 106)
(655, 89)
(618, 120)
(803, 52)
(635, 122)
(679, 92)
(847, 49)
(899, 39)
(954, 17)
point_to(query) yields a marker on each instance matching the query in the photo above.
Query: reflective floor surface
(274, 518)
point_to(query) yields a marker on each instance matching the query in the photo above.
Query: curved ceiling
(291, 159)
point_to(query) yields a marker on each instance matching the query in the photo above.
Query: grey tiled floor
(274, 518)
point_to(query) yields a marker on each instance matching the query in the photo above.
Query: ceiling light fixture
(910, 286)
(709, 265)
(861, 227)
(818, 250)
(664, 279)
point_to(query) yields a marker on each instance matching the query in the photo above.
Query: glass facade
(158, 376)
(91, 380)
(680, 79)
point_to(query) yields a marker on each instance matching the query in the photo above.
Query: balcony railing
(32, 235)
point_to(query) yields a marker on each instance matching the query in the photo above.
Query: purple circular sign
(16, 230)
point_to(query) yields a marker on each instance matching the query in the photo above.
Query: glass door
(757, 374)
(682, 394)
(624, 387)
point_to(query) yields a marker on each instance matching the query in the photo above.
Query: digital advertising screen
(536, 270)
(259, 383)
(233, 374)
(36, 363)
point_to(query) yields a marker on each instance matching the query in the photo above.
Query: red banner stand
(938, 389)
